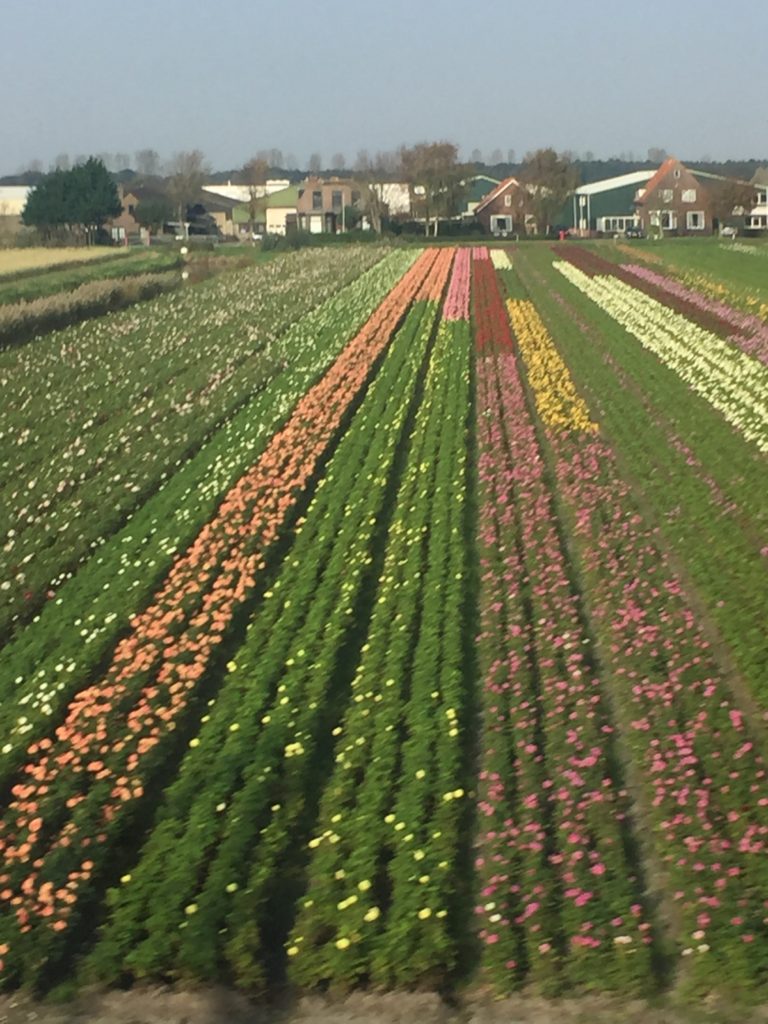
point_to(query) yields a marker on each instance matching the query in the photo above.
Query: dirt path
(221, 1006)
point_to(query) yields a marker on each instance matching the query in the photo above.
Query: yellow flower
(424, 913)
(373, 914)
(191, 908)
(342, 943)
(364, 886)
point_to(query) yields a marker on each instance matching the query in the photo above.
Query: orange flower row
(91, 768)
(434, 283)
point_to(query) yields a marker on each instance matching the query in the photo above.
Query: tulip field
(393, 619)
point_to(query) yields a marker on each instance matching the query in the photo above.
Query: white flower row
(730, 380)
(500, 259)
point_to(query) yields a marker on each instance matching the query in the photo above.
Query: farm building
(605, 206)
(242, 193)
(13, 199)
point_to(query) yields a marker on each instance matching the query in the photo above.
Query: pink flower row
(456, 305)
(704, 782)
(555, 879)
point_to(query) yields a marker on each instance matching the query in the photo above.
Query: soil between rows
(154, 1005)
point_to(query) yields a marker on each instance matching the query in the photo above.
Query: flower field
(392, 619)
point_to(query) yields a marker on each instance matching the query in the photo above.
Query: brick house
(674, 202)
(501, 212)
(321, 204)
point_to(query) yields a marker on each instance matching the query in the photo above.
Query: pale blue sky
(85, 76)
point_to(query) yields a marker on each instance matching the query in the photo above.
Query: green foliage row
(228, 822)
(384, 888)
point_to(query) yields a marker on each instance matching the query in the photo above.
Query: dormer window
(677, 172)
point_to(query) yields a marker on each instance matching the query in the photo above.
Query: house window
(668, 219)
(317, 200)
(761, 199)
(336, 200)
(677, 172)
(689, 195)
(758, 220)
(667, 195)
(355, 197)
(694, 220)
(507, 200)
(131, 208)
(501, 225)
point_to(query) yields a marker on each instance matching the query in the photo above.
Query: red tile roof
(658, 177)
(494, 193)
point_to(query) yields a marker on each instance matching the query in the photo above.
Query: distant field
(38, 283)
(13, 261)
(740, 266)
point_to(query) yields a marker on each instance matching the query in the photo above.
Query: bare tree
(255, 174)
(371, 194)
(147, 162)
(437, 177)
(122, 161)
(657, 155)
(315, 163)
(477, 156)
(510, 156)
(730, 198)
(338, 161)
(497, 157)
(548, 179)
(62, 162)
(387, 163)
(291, 163)
(276, 158)
(187, 174)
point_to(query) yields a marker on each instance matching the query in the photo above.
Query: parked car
(635, 231)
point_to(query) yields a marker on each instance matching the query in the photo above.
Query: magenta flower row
(750, 334)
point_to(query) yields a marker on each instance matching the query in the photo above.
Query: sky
(608, 77)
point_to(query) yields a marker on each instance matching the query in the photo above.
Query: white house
(757, 218)
(397, 196)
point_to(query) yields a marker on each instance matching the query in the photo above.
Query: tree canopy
(548, 179)
(437, 176)
(77, 200)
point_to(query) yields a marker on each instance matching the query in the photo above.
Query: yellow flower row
(559, 404)
(749, 301)
(640, 254)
